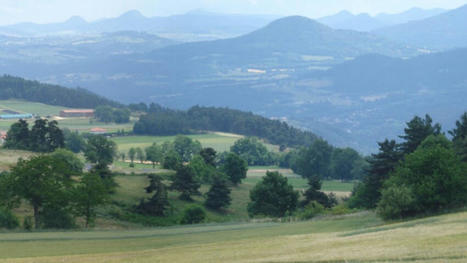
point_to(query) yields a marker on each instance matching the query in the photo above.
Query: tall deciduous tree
(42, 181)
(100, 151)
(89, 194)
(154, 154)
(235, 168)
(273, 196)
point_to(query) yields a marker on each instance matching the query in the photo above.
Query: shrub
(56, 218)
(311, 210)
(7, 219)
(193, 215)
(397, 201)
(27, 223)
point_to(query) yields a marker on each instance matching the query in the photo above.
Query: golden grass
(10, 157)
(440, 239)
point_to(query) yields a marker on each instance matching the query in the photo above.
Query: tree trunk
(36, 217)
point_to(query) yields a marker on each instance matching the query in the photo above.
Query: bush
(27, 223)
(193, 215)
(397, 201)
(56, 218)
(7, 219)
(311, 210)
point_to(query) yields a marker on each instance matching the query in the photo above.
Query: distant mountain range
(444, 31)
(192, 26)
(365, 22)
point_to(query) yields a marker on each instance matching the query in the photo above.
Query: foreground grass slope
(356, 238)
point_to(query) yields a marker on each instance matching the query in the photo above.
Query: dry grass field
(360, 237)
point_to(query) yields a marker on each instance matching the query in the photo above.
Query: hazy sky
(44, 11)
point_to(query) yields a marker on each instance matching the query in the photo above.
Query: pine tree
(158, 204)
(218, 195)
(184, 181)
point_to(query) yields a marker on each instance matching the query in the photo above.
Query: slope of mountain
(65, 49)
(364, 22)
(444, 31)
(193, 26)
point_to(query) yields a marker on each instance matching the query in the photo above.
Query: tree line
(163, 121)
(19, 88)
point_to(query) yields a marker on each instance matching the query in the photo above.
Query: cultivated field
(359, 237)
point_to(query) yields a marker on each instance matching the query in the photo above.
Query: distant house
(77, 113)
(98, 131)
(16, 116)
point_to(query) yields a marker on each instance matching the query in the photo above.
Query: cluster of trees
(162, 121)
(187, 180)
(44, 136)
(109, 114)
(425, 173)
(326, 161)
(19, 88)
(56, 188)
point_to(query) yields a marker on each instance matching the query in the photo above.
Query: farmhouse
(98, 131)
(77, 113)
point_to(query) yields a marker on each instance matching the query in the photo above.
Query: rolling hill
(441, 32)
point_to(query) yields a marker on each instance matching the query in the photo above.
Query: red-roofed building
(98, 131)
(77, 113)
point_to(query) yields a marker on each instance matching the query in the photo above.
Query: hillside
(445, 31)
(18, 88)
(434, 239)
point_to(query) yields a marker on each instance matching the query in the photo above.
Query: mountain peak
(132, 14)
(76, 20)
(296, 22)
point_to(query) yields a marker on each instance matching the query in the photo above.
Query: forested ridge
(19, 88)
(163, 121)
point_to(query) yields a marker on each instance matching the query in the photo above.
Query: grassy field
(219, 141)
(360, 237)
(10, 157)
(30, 107)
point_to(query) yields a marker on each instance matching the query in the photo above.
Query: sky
(47, 11)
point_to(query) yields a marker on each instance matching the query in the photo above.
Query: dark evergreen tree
(218, 195)
(313, 193)
(184, 181)
(158, 204)
(459, 137)
(18, 136)
(209, 156)
(417, 131)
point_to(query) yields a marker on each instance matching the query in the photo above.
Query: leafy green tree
(158, 204)
(435, 176)
(7, 219)
(18, 136)
(314, 161)
(171, 160)
(140, 155)
(104, 114)
(123, 156)
(42, 181)
(74, 141)
(273, 196)
(121, 115)
(132, 154)
(235, 168)
(186, 147)
(417, 131)
(184, 181)
(253, 151)
(459, 137)
(218, 195)
(89, 194)
(38, 136)
(75, 164)
(154, 154)
(204, 172)
(343, 161)
(209, 156)
(100, 151)
(8, 197)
